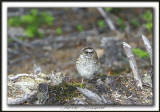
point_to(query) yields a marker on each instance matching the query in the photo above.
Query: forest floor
(73, 29)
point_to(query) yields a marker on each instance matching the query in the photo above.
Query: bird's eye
(85, 52)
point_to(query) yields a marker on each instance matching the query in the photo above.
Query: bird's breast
(87, 67)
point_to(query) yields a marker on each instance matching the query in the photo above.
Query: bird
(88, 63)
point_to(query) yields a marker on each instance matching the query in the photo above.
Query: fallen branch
(133, 64)
(90, 95)
(20, 12)
(10, 14)
(62, 41)
(17, 76)
(19, 59)
(12, 51)
(78, 101)
(107, 19)
(148, 47)
(13, 36)
(26, 97)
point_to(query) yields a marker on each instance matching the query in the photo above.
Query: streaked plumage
(88, 64)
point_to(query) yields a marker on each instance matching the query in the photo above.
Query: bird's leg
(82, 80)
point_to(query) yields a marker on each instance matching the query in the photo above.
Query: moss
(64, 92)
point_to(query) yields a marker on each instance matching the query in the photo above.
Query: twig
(12, 51)
(75, 36)
(90, 95)
(133, 64)
(23, 99)
(19, 59)
(62, 41)
(21, 12)
(78, 101)
(46, 96)
(148, 47)
(107, 19)
(13, 36)
(37, 69)
(17, 76)
(10, 14)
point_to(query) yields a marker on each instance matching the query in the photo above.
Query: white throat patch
(81, 56)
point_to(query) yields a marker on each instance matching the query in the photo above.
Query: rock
(57, 78)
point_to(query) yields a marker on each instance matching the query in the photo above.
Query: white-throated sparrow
(88, 64)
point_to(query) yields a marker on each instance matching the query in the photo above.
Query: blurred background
(52, 38)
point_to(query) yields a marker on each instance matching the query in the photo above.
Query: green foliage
(31, 22)
(121, 23)
(14, 21)
(31, 31)
(66, 8)
(147, 17)
(135, 22)
(47, 18)
(113, 10)
(10, 40)
(41, 34)
(101, 24)
(140, 53)
(27, 19)
(149, 26)
(108, 9)
(34, 12)
(21, 38)
(80, 27)
(59, 31)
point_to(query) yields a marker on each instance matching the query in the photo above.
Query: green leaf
(41, 34)
(108, 9)
(10, 40)
(44, 14)
(140, 53)
(121, 23)
(101, 24)
(14, 21)
(31, 31)
(66, 8)
(28, 18)
(32, 21)
(147, 16)
(59, 31)
(49, 20)
(80, 28)
(135, 22)
(21, 38)
(149, 26)
(34, 12)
